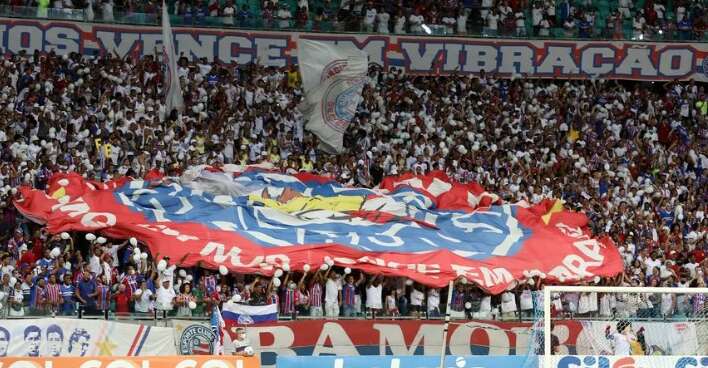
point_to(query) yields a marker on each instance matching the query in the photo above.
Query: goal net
(597, 326)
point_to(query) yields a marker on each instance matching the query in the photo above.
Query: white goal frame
(549, 290)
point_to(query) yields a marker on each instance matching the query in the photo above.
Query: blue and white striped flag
(217, 326)
(243, 314)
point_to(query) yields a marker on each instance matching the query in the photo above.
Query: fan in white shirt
(416, 22)
(434, 302)
(660, 10)
(462, 23)
(382, 19)
(680, 13)
(505, 11)
(520, 24)
(417, 298)
(143, 298)
(624, 6)
(400, 26)
(229, 12)
(369, 19)
(284, 15)
(449, 22)
(374, 295)
(622, 338)
(493, 22)
(165, 296)
(537, 15)
(486, 8)
(303, 4)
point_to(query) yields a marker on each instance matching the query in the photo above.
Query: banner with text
(605, 361)
(654, 61)
(144, 362)
(403, 338)
(422, 227)
(403, 362)
(54, 337)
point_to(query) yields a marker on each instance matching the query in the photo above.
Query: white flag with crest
(333, 77)
(173, 92)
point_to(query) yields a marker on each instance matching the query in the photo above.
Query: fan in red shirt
(122, 300)
(27, 258)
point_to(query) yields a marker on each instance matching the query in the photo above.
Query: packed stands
(630, 155)
(615, 19)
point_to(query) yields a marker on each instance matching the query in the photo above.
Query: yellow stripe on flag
(336, 204)
(557, 207)
(59, 193)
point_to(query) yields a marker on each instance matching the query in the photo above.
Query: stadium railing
(254, 23)
(652, 314)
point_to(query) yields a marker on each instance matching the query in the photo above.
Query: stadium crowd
(642, 19)
(632, 156)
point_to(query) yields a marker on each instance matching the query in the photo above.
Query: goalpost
(679, 315)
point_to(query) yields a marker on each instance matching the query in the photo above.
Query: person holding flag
(217, 326)
(242, 345)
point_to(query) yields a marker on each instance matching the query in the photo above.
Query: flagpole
(443, 348)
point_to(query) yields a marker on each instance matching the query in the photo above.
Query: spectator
(374, 294)
(565, 11)
(492, 23)
(122, 301)
(185, 301)
(487, 6)
(400, 23)
(625, 7)
(54, 297)
(433, 302)
(143, 298)
(569, 27)
(86, 291)
(684, 27)
(544, 27)
(457, 303)
(302, 17)
(391, 304)
(244, 16)
(348, 296)
(584, 26)
(304, 4)
(16, 301)
(449, 21)
(382, 21)
(68, 291)
(462, 22)
(333, 294)
(268, 15)
(417, 297)
(284, 16)
(369, 19)
(638, 25)
(537, 14)
(165, 296)
(102, 294)
(316, 295)
(415, 22)
(521, 24)
(303, 298)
